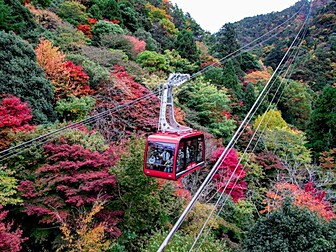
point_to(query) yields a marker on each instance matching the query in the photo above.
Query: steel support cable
(5, 154)
(224, 154)
(266, 93)
(242, 156)
(252, 115)
(239, 162)
(10, 152)
(248, 44)
(280, 72)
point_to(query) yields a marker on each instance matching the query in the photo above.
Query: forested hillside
(79, 85)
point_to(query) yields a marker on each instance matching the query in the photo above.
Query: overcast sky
(211, 15)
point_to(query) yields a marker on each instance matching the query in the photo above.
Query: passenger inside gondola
(160, 156)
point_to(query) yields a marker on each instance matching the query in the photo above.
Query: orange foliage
(179, 115)
(328, 159)
(52, 62)
(67, 78)
(256, 76)
(308, 197)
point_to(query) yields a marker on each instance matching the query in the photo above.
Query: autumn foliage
(86, 29)
(72, 177)
(309, 197)
(138, 45)
(120, 90)
(14, 115)
(67, 78)
(10, 240)
(230, 175)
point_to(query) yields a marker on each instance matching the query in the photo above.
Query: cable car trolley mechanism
(175, 150)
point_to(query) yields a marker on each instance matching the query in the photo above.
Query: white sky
(211, 15)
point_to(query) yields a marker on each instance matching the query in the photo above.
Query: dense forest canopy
(78, 97)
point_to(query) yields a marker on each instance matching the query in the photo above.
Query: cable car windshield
(190, 154)
(160, 156)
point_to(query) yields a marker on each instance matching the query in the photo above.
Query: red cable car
(177, 150)
(173, 156)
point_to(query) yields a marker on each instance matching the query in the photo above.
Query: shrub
(104, 57)
(152, 61)
(97, 74)
(73, 12)
(291, 229)
(117, 42)
(10, 240)
(102, 27)
(21, 76)
(15, 17)
(68, 38)
(75, 109)
(14, 116)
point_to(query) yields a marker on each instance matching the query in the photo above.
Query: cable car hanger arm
(167, 104)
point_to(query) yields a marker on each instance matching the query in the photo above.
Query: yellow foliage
(85, 235)
(197, 217)
(270, 120)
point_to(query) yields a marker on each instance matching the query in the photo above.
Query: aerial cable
(10, 152)
(239, 162)
(5, 154)
(266, 93)
(247, 45)
(242, 156)
(224, 153)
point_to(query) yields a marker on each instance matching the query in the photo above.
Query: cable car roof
(172, 137)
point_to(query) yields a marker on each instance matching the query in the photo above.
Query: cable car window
(200, 150)
(160, 156)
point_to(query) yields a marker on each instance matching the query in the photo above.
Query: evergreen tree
(295, 104)
(186, 46)
(226, 41)
(21, 76)
(321, 130)
(291, 229)
(129, 16)
(230, 79)
(15, 17)
(249, 96)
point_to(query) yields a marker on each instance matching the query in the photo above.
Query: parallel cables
(224, 153)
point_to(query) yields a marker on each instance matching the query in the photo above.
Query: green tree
(8, 187)
(321, 129)
(207, 107)
(105, 9)
(249, 62)
(21, 76)
(72, 11)
(152, 61)
(186, 46)
(102, 27)
(291, 229)
(295, 104)
(226, 41)
(249, 96)
(75, 109)
(147, 205)
(15, 17)
(230, 79)
(129, 16)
